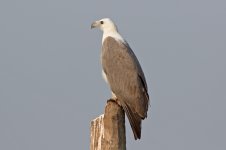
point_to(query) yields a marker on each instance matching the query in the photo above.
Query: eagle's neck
(112, 33)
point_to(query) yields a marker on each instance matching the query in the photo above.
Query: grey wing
(125, 75)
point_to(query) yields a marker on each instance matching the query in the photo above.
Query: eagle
(122, 71)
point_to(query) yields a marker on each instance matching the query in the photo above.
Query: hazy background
(50, 74)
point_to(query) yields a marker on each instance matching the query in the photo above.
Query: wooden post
(108, 130)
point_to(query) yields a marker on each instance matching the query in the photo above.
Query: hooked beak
(94, 24)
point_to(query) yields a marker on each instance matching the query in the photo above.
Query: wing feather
(126, 80)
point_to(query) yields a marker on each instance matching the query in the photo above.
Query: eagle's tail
(134, 120)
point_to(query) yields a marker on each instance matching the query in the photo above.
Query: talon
(111, 100)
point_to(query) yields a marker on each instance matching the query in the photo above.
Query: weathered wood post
(108, 130)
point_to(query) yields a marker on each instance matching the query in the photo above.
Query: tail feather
(134, 120)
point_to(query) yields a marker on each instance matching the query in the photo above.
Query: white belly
(104, 76)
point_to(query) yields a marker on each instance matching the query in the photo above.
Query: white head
(105, 24)
(108, 28)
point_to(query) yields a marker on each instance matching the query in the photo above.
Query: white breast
(115, 35)
(104, 76)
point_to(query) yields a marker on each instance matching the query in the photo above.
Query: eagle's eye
(101, 22)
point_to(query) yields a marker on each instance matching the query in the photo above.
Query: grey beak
(94, 25)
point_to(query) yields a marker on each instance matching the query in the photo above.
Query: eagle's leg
(111, 100)
(114, 99)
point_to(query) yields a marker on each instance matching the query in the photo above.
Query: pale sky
(50, 73)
